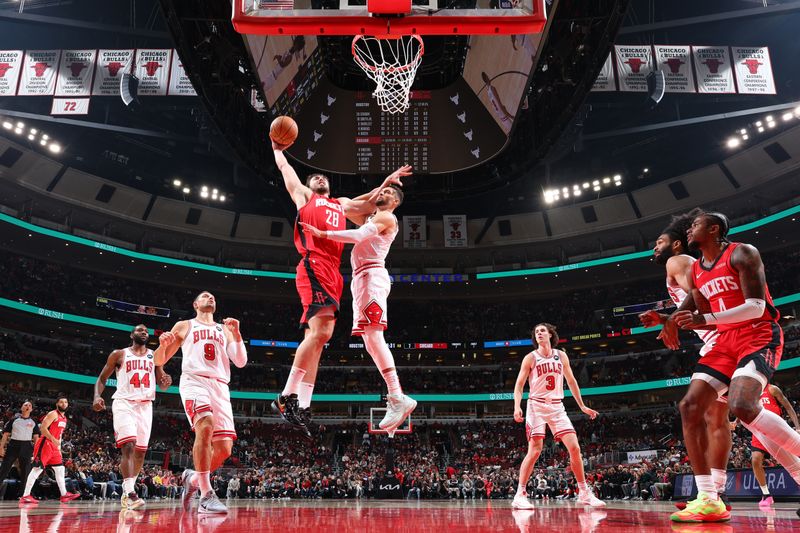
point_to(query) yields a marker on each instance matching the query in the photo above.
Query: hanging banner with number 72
(70, 106)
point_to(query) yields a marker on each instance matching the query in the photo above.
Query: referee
(23, 431)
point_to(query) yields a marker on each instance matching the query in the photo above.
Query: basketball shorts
(203, 397)
(45, 454)
(540, 415)
(133, 421)
(757, 446)
(319, 284)
(370, 289)
(752, 350)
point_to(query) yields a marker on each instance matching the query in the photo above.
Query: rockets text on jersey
(769, 402)
(204, 351)
(325, 214)
(136, 377)
(546, 380)
(56, 427)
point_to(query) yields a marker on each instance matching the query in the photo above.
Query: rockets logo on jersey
(718, 286)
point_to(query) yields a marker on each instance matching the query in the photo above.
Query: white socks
(382, 355)
(62, 486)
(304, 394)
(128, 485)
(293, 383)
(764, 490)
(719, 477)
(706, 484)
(778, 431)
(204, 482)
(32, 477)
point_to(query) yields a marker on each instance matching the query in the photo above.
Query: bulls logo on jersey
(555, 357)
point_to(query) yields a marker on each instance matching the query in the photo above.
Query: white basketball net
(391, 63)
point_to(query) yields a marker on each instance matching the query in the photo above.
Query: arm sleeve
(354, 235)
(237, 353)
(750, 309)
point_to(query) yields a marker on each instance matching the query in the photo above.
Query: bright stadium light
(7, 125)
(222, 198)
(585, 184)
(54, 148)
(733, 142)
(186, 190)
(787, 117)
(20, 125)
(18, 131)
(214, 191)
(176, 182)
(596, 188)
(771, 124)
(203, 194)
(617, 177)
(606, 180)
(760, 129)
(769, 118)
(745, 137)
(34, 131)
(43, 142)
(576, 192)
(743, 131)
(596, 183)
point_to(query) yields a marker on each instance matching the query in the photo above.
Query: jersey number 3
(550, 382)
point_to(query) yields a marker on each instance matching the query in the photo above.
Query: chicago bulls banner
(179, 83)
(634, 63)
(605, 80)
(39, 73)
(753, 70)
(152, 69)
(111, 65)
(10, 67)
(713, 67)
(676, 64)
(75, 73)
(455, 231)
(415, 232)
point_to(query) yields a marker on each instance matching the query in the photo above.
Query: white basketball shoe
(521, 501)
(398, 407)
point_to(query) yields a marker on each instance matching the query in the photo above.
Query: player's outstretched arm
(787, 405)
(380, 223)
(572, 383)
(365, 204)
(297, 190)
(169, 342)
(112, 363)
(519, 386)
(236, 350)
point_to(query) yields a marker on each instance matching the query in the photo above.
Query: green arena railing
(19, 368)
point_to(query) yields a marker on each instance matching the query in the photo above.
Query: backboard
(388, 17)
(376, 414)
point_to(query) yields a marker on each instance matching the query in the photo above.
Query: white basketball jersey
(373, 250)
(708, 336)
(204, 352)
(546, 380)
(136, 377)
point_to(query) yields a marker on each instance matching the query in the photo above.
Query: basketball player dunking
(546, 368)
(370, 287)
(731, 277)
(709, 444)
(47, 452)
(207, 349)
(132, 408)
(319, 282)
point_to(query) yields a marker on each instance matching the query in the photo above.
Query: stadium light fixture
(55, 148)
(745, 137)
(733, 142)
(585, 184)
(760, 129)
(222, 198)
(176, 182)
(20, 125)
(18, 131)
(31, 136)
(34, 131)
(203, 194)
(771, 125)
(43, 142)
(769, 118)
(787, 117)
(7, 125)
(186, 190)
(204, 188)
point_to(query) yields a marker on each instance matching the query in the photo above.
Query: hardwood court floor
(249, 516)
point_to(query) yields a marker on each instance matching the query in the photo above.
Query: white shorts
(541, 414)
(133, 421)
(370, 290)
(203, 397)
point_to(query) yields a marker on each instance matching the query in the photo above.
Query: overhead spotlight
(214, 191)
(745, 137)
(204, 188)
(585, 184)
(20, 125)
(565, 190)
(54, 148)
(34, 131)
(222, 198)
(758, 123)
(203, 194)
(45, 136)
(797, 110)
(771, 124)
(606, 180)
(43, 142)
(214, 197)
(596, 188)
(176, 182)
(760, 129)
(742, 131)
(7, 125)
(596, 183)
(787, 117)
(733, 142)
(769, 118)
(18, 131)
(617, 177)
(576, 192)
(645, 170)
(186, 190)
(566, 194)
(31, 137)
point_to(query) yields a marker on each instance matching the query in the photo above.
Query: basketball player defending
(132, 408)
(747, 352)
(709, 444)
(370, 288)
(207, 349)
(319, 282)
(771, 399)
(47, 452)
(545, 368)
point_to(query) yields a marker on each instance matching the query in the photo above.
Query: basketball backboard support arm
(249, 18)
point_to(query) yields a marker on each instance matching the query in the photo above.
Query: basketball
(283, 130)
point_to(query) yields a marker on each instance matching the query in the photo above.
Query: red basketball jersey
(721, 286)
(769, 403)
(57, 426)
(324, 214)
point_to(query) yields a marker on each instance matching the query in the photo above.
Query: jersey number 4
(137, 381)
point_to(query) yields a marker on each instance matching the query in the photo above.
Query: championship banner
(713, 68)
(75, 73)
(644, 455)
(634, 63)
(455, 231)
(179, 83)
(152, 69)
(10, 67)
(753, 70)
(111, 65)
(70, 106)
(415, 232)
(39, 73)
(605, 80)
(676, 64)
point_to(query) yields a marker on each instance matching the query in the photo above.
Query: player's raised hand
(280, 147)
(518, 414)
(232, 324)
(313, 231)
(99, 404)
(591, 413)
(650, 318)
(394, 177)
(689, 320)
(166, 338)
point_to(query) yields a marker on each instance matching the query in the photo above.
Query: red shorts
(760, 343)
(756, 445)
(45, 454)
(319, 284)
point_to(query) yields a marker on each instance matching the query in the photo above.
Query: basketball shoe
(132, 501)
(587, 497)
(521, 501)
(766, 502)
(305, 416)
(702, 509)
(188, 488)
(398, 407)
(210, 504)
(68, 497)
(289, 408)
(28, 499)
(722, 496)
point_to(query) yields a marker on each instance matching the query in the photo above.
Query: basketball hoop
(391, 62)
